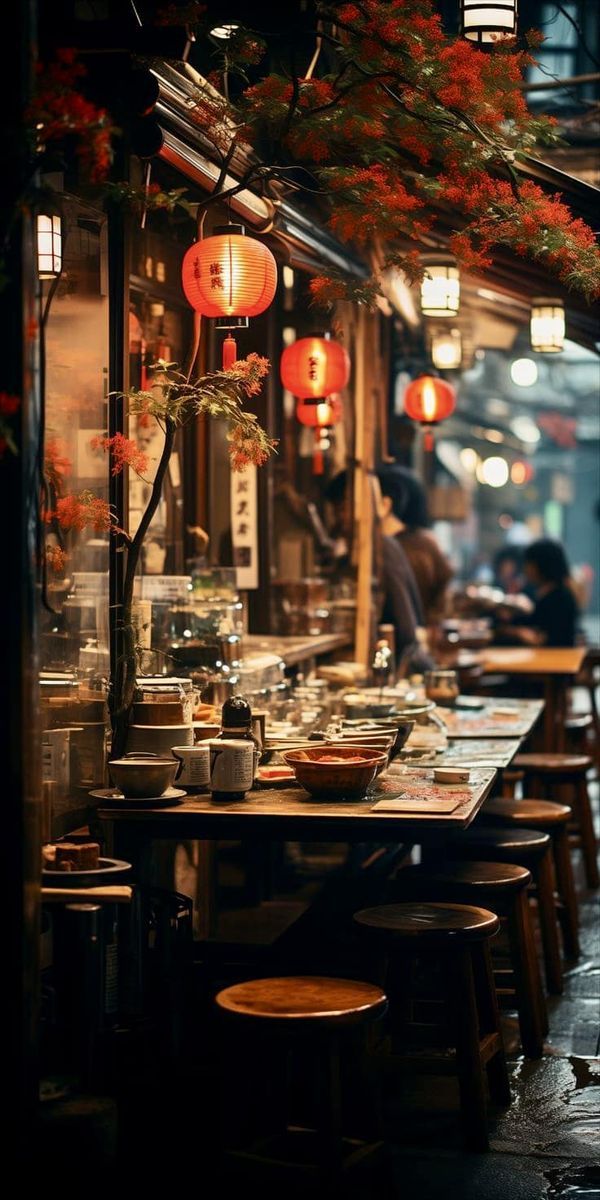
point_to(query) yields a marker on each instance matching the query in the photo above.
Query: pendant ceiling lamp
(49, 245)
(429, 400)
(230, 277)
(547, 325)
(440, 286)
(321, 417)
(446, 350)
(314, 367)
(486, 23)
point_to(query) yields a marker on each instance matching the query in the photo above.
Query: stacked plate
(158, 739)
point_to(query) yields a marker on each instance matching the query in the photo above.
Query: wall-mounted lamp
(49, 245)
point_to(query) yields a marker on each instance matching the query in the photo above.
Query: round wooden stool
(458, 937)
(312, 1014)
(528, 848)
(564, 777)
(577, 729)
(553, 819)
(501, 887)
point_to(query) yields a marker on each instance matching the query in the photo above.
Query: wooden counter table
(279, 814)
(555, 668)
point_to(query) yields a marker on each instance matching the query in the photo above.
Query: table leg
(555, 689)
(206, 898)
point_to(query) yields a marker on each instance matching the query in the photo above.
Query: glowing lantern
(429, 400)
(488, 21)
(440, 286)
(547, 326)
(321, 417)
(49, 245)
(230, 277)
(314, 367)
(521, 472)
(446, 350)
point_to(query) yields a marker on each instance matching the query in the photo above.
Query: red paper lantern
(320, 417)
(314, 367)
(229, 276)
(429, 400)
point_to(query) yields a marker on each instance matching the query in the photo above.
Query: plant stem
(126, 672)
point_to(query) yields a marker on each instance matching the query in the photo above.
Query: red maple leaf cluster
(124, 452)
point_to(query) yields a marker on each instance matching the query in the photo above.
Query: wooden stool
(589, 678)
(509, 779)
(553, 819)
(308, 1013)
(532, 849)
(501, 887)
(563, 776)
(458, 935)
(577, 729)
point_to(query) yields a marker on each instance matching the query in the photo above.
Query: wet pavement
(546, 1145)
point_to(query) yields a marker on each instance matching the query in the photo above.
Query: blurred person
(508, 570)
(401, 605)
(553, 621)
(404, 518)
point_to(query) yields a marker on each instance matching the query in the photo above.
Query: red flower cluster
(56, 464)
(85, 511)
(56, 559)
(124, 452)
(250, 371)
(244, 450)
(9, 405)
(58, 110)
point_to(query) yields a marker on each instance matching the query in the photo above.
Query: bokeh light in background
(493, 471)
(524, 372)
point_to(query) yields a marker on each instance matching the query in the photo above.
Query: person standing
(404, 518)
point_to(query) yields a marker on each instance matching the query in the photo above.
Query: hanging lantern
(230, 277)
(314, 367)
(321, 417)
(440, 286)
(547, 326)
(429, 400)
(446, 350)
(488, 22)
(49, 245)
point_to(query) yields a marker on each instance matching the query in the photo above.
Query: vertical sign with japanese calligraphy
(244, 526)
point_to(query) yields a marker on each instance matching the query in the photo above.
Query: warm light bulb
(446, 350)
(493, 471)
(524, 372)
(429, 402)
(547, 326)
(469, 459)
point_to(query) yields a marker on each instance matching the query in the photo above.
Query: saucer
(172, 795)
(107, 867)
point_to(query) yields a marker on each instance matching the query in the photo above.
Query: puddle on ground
(574, 1183)
(555, 1108)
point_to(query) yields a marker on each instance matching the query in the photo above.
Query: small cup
(204, 731)
(231, 768)
(193, 772)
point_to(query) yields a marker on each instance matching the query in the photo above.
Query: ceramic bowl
(318, 775)
(140, 777)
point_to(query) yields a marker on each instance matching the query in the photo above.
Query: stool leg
(330, 1114)
(540, 993)
(465, 1019)
(565, 885)
(487, 1004)
(583, 814)
(526, 972)
(548, 924)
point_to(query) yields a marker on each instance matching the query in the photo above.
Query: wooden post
(363, 492)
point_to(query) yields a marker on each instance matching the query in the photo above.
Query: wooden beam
(363, 492)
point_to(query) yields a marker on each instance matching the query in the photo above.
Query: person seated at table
(553, 621)
(404, 517)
